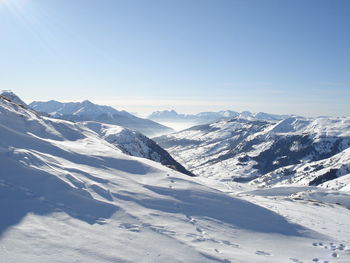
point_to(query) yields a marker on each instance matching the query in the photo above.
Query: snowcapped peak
(229, 113)
(246, 114)
(6, 91)
(87, 103)
(89, 111)
(8, 94)
(164, 113)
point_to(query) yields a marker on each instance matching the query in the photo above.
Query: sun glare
(13, 3)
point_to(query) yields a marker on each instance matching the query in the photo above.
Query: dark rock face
(135, 144)
(165, 158)
(330, 175)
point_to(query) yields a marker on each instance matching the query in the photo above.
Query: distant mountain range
(207, 117)
(88, 111)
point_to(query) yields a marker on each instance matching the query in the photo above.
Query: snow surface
(88, 111)
(68, 195)
(291, 151)
(135, 144)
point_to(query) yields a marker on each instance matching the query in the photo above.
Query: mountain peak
(88, 111)
(87, 103)
(8, 94)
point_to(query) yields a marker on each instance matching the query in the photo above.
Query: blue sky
(278, 56)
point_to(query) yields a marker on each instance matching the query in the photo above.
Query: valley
(94, 192)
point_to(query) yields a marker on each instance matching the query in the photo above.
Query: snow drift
(68, 195)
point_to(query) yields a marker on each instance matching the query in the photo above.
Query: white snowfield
(322, 126)
(68, 195)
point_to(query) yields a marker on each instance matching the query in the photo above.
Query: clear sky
(278, 56)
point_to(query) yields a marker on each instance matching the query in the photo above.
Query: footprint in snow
(332, 247)
(200, 230)
(130, 227)
(295, 260)
(228, 243)
(262, 253)
(191, 220)
(320, 261)
(335, 255)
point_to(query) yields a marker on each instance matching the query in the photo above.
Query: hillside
(135, 144)
(88, 111)
(68, 195)
(292, 151)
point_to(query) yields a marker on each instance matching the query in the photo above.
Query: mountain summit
(8, 94)
(88, 111)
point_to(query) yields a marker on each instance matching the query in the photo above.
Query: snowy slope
(88, 111)
(294, 150)
(325, 172)
(135, 144)
(67, 195)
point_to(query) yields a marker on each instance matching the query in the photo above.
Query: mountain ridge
(264, 152)
(88, 111)
(168, 116)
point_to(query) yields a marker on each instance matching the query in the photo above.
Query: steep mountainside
(88, 111)
(135, 144)
(13, 97)
(68, 195)
(294, 150)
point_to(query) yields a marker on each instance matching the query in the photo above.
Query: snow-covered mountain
(129, 141)
(88, 111)
(292, 151)
(13, 97)
(169, 116)
(135, 144)
(68, 195)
